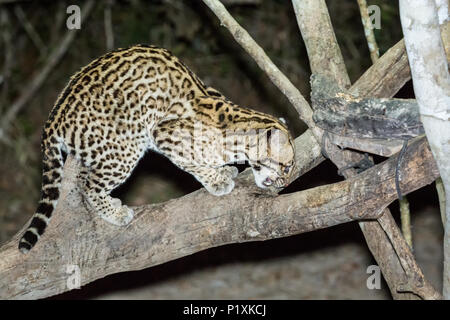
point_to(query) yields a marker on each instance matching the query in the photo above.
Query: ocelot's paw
(223, 182)
(230, 170)
(121, 215)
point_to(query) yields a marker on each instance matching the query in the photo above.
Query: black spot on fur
(39, 224)
(45, 208)
(30, 237)
(45, 180)
(269, 134)
(218, 105)
(24, 245)
(214, 93)
(52, 193)
(55, 175)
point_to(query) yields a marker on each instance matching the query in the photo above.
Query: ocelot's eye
(287, 169)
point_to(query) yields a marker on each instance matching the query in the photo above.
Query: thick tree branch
(391, 71)
(349, 116)
(183, 226)
(323, 50)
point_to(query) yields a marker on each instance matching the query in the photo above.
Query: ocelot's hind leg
(96, 187)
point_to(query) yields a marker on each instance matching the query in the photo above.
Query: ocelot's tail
(51, 183)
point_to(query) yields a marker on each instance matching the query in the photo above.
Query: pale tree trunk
(420, 22)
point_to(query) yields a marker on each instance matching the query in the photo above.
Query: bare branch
(441, 195)
(368, 31)
(390, 73)
(317, 32)
(8, 60)
(405, 218)
(241, 2)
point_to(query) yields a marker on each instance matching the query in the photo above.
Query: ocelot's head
(274, 162)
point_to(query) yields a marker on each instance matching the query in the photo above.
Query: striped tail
(51, 182)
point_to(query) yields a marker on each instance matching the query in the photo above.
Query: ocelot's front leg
(96, 185)
(179, 145)
(218, 181)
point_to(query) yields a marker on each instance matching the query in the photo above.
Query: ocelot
(144, 98)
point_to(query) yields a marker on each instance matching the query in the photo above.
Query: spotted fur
(135, 99)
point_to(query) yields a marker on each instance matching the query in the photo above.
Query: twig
(8, 57)
(441, 195)
(60, 18)
(36, 82)
(241, 2)
(323, 54)
(368, 31)
(34, 36)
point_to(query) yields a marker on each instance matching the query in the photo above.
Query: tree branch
(183, 226)
(323, 50)
(391, 71)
